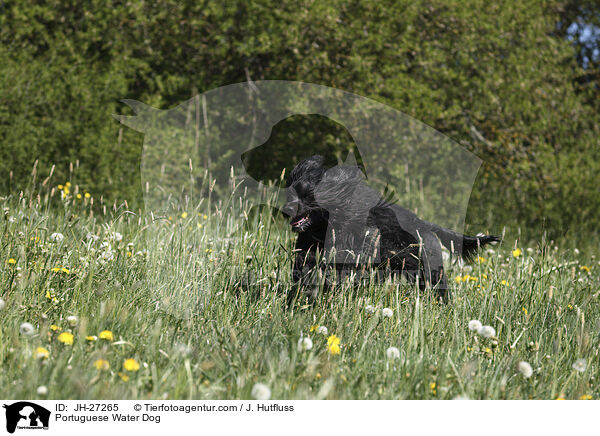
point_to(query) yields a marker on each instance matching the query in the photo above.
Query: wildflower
(585, 268)
(570, 306)
(208, 250)
(42, 390)
(475, 325)
(392, 353)
(72, 320)
(131, 365)
(480, 259)
(106, 334)
(41, 353)
(11, 261)
(57, 237)
(432, 388)
(333, 344)
(61, 187)
(2, 304)
(101, 364)
(387, 312)
(66, 338)
(184, 215)
(204, 216)
(487, 331)
(504, 283)
(313, 328)
(517, 252)
(26, 329)
(370, 309)
(322, 330)
(304, 344)
(580, 365)
(87, 195)
(124, 377)
(68, 184)
(525, 369)
(55, 328)
(260, 392)
(585, 397)
(117, 236)
(524, 310)
(91, 338)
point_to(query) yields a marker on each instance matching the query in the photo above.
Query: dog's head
(313, 191)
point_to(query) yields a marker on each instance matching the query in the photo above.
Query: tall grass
(198, 300)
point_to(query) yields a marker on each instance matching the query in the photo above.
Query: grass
(197, 301)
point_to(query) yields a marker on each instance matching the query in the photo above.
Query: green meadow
(100, 302)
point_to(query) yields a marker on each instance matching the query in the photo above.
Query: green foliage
(503, 80)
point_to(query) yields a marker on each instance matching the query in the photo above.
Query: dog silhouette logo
(26, 415)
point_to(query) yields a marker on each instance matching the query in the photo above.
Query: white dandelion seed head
(467, 268)
(72, 320)
(322, 330)
(487, 331)
(26, 329)
(2, 304)
(475, 325)
(370, 309)
(525, 369)
(261, 392)
(304, 344)
(580, 365)
(387, 312)
(57, 237)
(42, 390)
(392, 353)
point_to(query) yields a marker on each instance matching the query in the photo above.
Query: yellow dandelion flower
(481, 259)
(60, 186)
(65, 270)
(584, 268)
(585, 397)
(524, 310)
(473, 279)
(313, 328)
(432, 387)
(318, 375)
(124, 377)
(129, 254)
(91, 338)
(184, 215)
(333, 344)
(458, 279)
(570, 306)
(208, 250)
(68, 184)
(504, 283)
(11, 261)
(78, 196)
(106, 334)
(66, 190)
(101, 364)
(559, 398)
(170, 218)
(131, 365)
(199, 225)
(41, 353)
(204, 216)
(484, 276)
(517, 252)
(66, 338)
(87, 195)
(55, 269)
(55, 328)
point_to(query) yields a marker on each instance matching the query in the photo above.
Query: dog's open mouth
(300, 223)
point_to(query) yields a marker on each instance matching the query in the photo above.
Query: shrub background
(516, 83)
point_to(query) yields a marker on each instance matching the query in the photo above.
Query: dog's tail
(463, 245)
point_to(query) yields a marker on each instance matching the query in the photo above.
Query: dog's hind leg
(431, 267)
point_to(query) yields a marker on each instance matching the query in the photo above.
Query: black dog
(347, 223)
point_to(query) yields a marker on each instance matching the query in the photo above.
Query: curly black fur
(324, 204)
